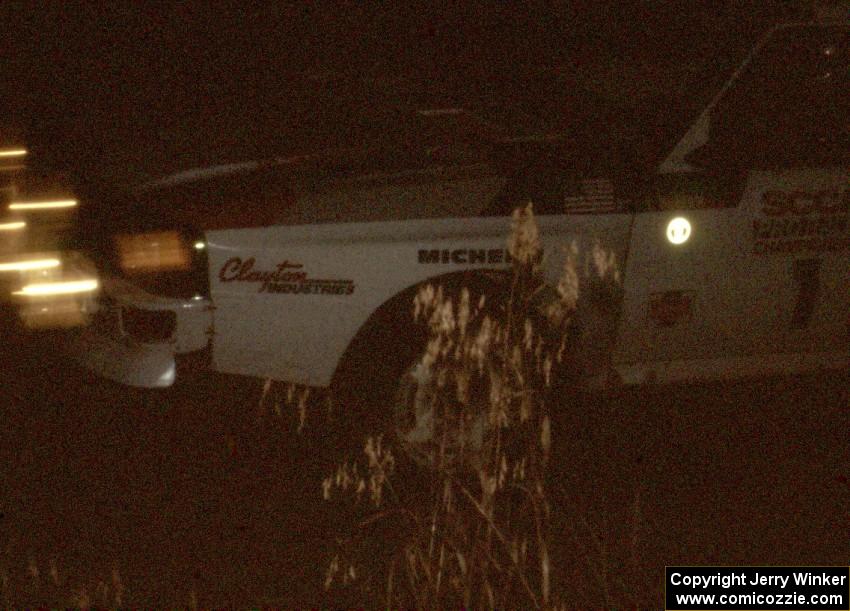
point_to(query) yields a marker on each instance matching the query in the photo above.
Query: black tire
(367, 379)
(373, 392)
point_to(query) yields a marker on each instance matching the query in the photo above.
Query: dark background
(124, 91)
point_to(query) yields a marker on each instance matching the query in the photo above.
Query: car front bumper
(136, 338)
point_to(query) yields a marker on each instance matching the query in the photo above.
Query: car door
(682, 300)
(761, 183)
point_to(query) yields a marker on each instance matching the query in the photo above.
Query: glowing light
(14, 226)
(149, 252)
(58, 288)
(14, 153)
(200, 246)
(678, 230)
(167, 376)
(59, 203)
(32, 264)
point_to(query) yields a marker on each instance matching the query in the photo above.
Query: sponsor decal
(669, 307)
(465, 256)
(801, 221)
(287, 277)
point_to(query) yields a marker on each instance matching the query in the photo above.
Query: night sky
(120, 92)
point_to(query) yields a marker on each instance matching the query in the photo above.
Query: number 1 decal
(807, 278)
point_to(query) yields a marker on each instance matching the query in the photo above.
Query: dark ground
(189, 492)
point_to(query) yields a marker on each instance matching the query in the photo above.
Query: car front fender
(121, 359)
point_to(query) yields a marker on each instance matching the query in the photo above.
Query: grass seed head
(568, 284)
(545, 435)
(32, 569)
(333, 568)
(605, 263)
(117, 587)
(54, 572)
(463, 312)
(524, 241)
(80, 599)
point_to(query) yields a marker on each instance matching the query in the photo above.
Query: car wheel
(415, 422)
(386, 387)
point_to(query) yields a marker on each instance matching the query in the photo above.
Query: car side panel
(331, 278)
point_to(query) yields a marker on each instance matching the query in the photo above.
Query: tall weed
(474, 528)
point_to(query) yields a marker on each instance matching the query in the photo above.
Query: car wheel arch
(479, 281)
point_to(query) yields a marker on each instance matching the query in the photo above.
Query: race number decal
(807, 280)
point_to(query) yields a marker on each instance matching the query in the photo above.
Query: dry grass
(476, 530)
(45, 583)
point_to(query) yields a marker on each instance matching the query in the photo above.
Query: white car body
(759, 287)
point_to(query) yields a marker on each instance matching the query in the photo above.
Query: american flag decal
(595, 196)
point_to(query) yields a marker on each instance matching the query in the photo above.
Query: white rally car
(733, 256)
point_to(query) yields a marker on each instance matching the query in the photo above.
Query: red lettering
(282, 280)
(233, 264)
(243, 271)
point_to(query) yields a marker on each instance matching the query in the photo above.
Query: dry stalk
(481, 537)
(56, 587)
